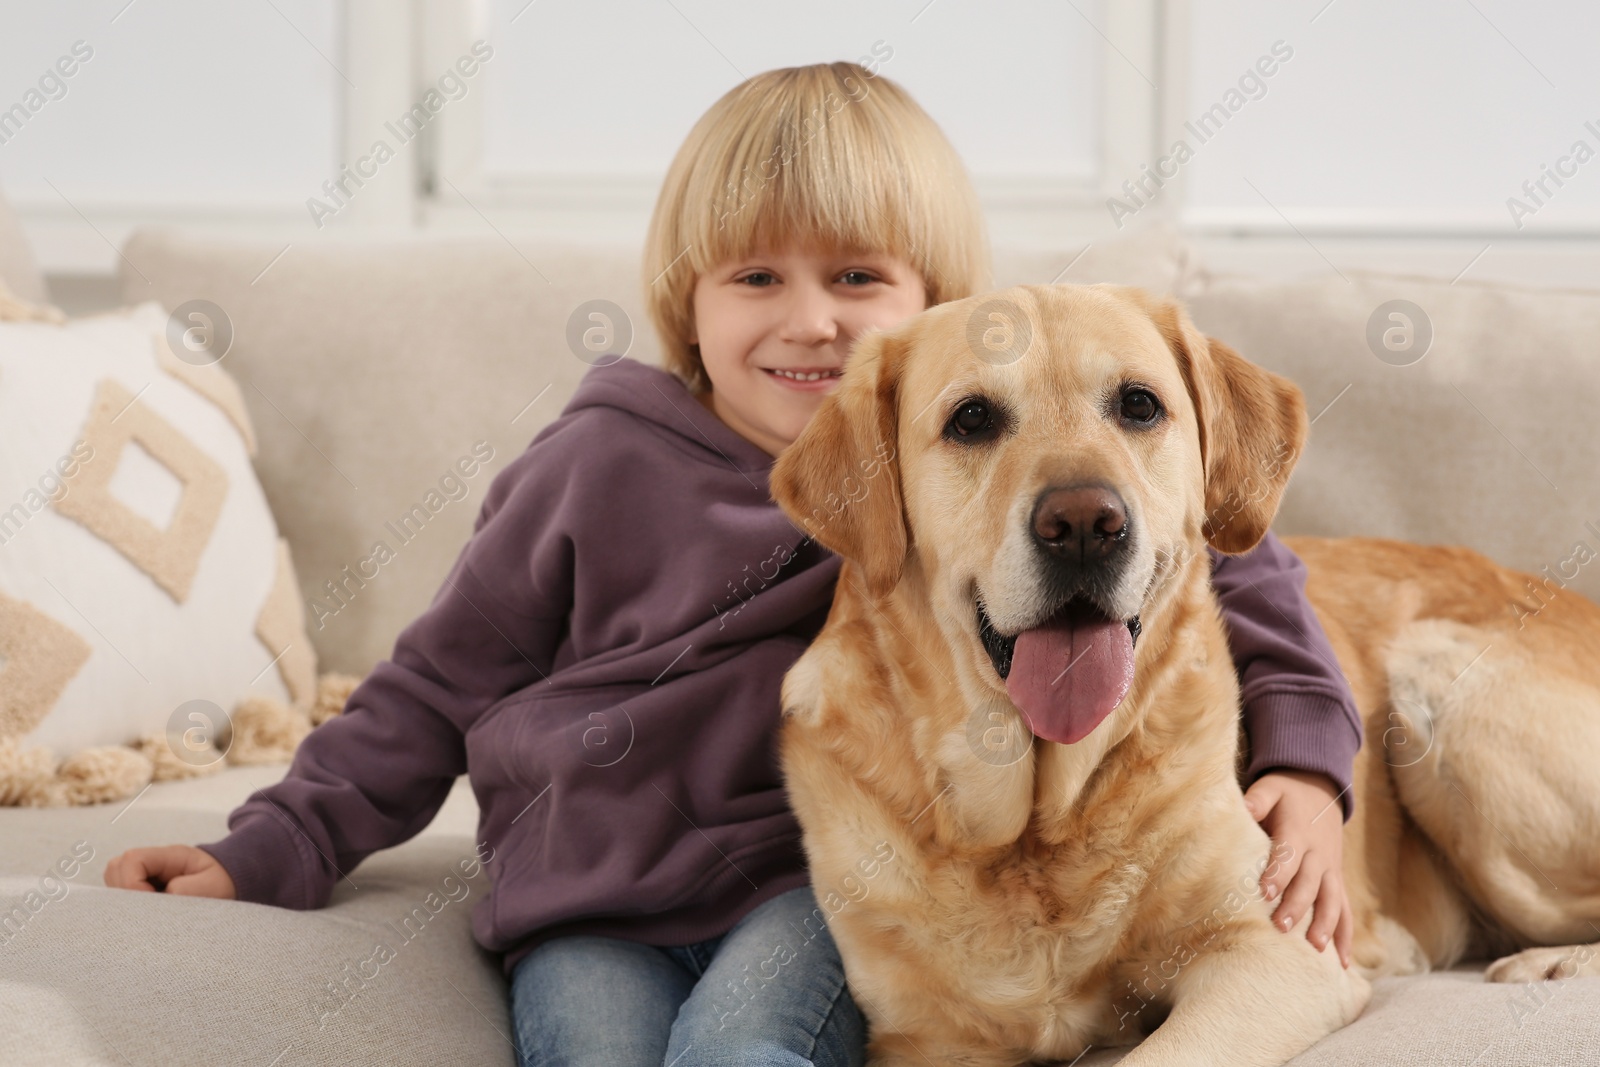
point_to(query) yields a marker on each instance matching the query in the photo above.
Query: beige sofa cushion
(373, 367)
(17, 266)
(112, 976)
(1489, 440)
(165, 983)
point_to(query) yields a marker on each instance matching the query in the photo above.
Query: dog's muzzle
(1069, 669)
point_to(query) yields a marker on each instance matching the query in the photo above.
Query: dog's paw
(1542, 964)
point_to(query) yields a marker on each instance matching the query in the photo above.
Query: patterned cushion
(144, 589)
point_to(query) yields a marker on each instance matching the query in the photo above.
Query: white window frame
(452, 193)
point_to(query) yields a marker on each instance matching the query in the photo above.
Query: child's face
(797, 311)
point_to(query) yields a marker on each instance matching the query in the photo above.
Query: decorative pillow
(150, 621)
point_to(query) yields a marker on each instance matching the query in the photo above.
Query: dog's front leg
(1258, 1002)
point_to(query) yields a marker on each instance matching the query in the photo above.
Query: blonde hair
(826, 155)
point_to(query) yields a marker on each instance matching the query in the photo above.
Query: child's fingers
(1344, 934)
(116, 878)
(1280, 871)
(142, 868)
(1297, 898)
(129, 870)
(1262, 797)
(1329, 908)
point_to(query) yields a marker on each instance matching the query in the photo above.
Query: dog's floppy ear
(840, 479)
(1252, 429)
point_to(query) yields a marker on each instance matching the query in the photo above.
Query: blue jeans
(770, 991)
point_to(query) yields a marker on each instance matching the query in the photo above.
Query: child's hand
(180, 869)
(1299, 810)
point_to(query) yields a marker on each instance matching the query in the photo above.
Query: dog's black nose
(1087, 523)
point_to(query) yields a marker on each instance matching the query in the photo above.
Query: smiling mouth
(803, 376)
(1002, 649)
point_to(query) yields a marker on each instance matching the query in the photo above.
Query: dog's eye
(972, 419)
(1140, 405)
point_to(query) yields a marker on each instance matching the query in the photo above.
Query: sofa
(376, 361)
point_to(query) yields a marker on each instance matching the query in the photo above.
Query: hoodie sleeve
(1298, 710)
(376, 774)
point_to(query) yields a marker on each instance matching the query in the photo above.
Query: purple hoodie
(604, 662)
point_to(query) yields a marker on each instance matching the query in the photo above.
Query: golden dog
(1016, 868)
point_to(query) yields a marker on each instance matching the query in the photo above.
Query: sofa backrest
(1444, 412)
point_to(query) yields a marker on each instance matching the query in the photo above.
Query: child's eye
(863, 275)
(759, 278)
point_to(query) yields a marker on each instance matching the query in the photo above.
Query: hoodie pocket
(552, 734)
(539, 751)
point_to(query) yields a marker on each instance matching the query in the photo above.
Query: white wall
(1424, 115)
(182, 109)
(1387, 122)
(612, 86)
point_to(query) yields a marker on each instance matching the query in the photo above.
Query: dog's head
(1044, 459)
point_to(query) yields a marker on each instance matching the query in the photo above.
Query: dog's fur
(993, 911)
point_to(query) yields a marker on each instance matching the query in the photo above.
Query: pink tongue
(1069, 674)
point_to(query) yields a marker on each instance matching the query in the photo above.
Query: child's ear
(840, 479)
